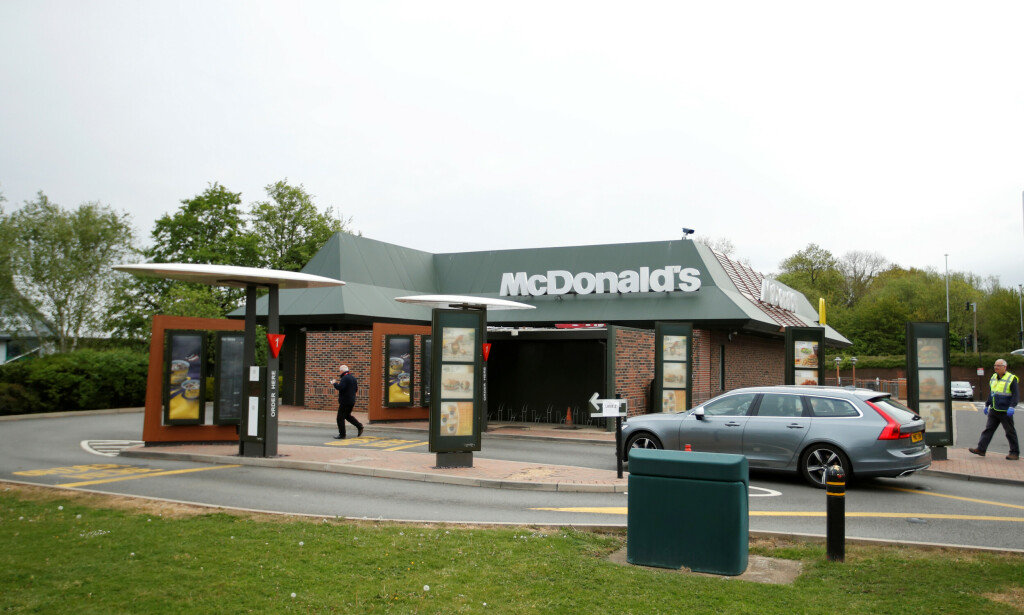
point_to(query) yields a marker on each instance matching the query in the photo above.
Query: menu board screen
(805, 365)
(456, 389)
(398, 379)
(928, 378)
(673, 348)
(184, 402)
(805, 354)
(230, 379)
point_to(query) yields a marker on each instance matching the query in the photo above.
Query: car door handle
(733, 424)
(795, 426)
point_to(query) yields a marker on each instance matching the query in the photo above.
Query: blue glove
(1009, 412)
(985, 410)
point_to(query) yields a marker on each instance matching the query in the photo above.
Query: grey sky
(895, 127)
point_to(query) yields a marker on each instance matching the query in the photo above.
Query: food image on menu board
(806, 354)
(457, 343)
(806, 377)
(674, 376)
(929, 352)
(457, 382)
(457, 418)
(674, 347)
(934, 415)
(931, 384)
(184, 378)
(673, 401)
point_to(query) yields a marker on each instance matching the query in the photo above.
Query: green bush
(80, 380)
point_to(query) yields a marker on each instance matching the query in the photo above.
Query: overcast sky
(892, 126)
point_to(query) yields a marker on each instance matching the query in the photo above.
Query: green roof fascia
(356, 259)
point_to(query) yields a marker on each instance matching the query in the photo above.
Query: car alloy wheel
(818, 459)
(642, 440)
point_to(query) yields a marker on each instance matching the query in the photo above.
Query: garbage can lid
(720, 467)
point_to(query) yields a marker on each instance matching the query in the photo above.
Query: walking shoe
(360, 432)
(977, 452)
(340, 436)
(1013, 457)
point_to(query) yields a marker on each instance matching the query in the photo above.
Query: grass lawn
(70, 552)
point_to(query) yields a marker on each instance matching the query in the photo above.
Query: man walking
(347, 387)
(1002, 401)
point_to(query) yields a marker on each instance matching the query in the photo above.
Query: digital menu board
(673, 376)
(183, 396)
(456, 380)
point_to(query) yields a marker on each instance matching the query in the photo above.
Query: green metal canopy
(633, 284)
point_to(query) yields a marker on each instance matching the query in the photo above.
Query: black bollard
(835, 524)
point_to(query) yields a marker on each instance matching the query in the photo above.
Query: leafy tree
(209, 228)
(813, 272)
(289, 228)
(55, 267)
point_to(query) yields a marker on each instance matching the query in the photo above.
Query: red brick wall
(749, 361)
(325, 351)
(634, 366)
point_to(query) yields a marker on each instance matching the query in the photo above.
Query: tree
(289, 228)
(209, 228)
(859, 269)
(55, 267)
(812, 271)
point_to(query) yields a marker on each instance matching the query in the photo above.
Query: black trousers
(345, 414)
(995, 419)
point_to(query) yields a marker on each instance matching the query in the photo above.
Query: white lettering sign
(561, 282)
(778, 295)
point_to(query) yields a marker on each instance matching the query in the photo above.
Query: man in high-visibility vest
(1002, 402)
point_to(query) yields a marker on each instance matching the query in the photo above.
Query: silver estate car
(801, 429)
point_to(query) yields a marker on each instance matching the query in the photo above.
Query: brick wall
(325, 351)
(749, 361)
(634, 367)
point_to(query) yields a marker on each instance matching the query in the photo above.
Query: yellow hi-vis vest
(1001, 387)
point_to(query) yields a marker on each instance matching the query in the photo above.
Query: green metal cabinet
(688, 509)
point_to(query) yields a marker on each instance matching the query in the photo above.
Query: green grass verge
(67, 552)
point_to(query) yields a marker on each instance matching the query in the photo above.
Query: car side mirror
(699, 414)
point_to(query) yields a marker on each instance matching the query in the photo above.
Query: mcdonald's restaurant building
(595, 326)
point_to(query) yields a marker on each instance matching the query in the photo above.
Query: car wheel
(641, 440)
(816, 461)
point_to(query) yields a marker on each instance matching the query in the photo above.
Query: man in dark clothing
(1001, 404)
(347, 387)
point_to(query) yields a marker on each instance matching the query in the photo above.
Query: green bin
(688, 509)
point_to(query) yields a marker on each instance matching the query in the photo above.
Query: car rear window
(895, 409)
(827, 407)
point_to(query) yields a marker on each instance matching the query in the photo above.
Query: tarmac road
(921, 508)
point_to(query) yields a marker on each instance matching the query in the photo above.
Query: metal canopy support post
(247, 447)
(273, 365)
(260, 440)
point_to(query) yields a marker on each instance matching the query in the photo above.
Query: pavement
(370, 458)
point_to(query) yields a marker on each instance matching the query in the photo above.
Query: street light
(1020, 306)
(853, 360)
(947, 288)
(839, 380)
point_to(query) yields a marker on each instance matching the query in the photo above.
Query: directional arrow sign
(608, 407)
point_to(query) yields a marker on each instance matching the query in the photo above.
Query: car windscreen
(962, 385)
(894, 409)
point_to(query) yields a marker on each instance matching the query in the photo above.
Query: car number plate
(916, 437)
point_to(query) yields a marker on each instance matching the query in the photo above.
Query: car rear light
(892, 428)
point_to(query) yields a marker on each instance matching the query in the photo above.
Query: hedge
(80, 380)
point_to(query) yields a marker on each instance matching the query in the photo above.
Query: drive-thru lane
(921, 508)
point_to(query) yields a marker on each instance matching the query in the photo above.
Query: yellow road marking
(146, 475)
(621, 510)
(398, 448)
(955, 497)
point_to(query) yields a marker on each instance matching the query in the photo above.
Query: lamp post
(947, 288)
(839, 380)
(853, 361)
(1020, 306)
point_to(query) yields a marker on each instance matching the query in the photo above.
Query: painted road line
(955, 497)
(404, 446)
(108, 448)
(146, 475)
(621, 510)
